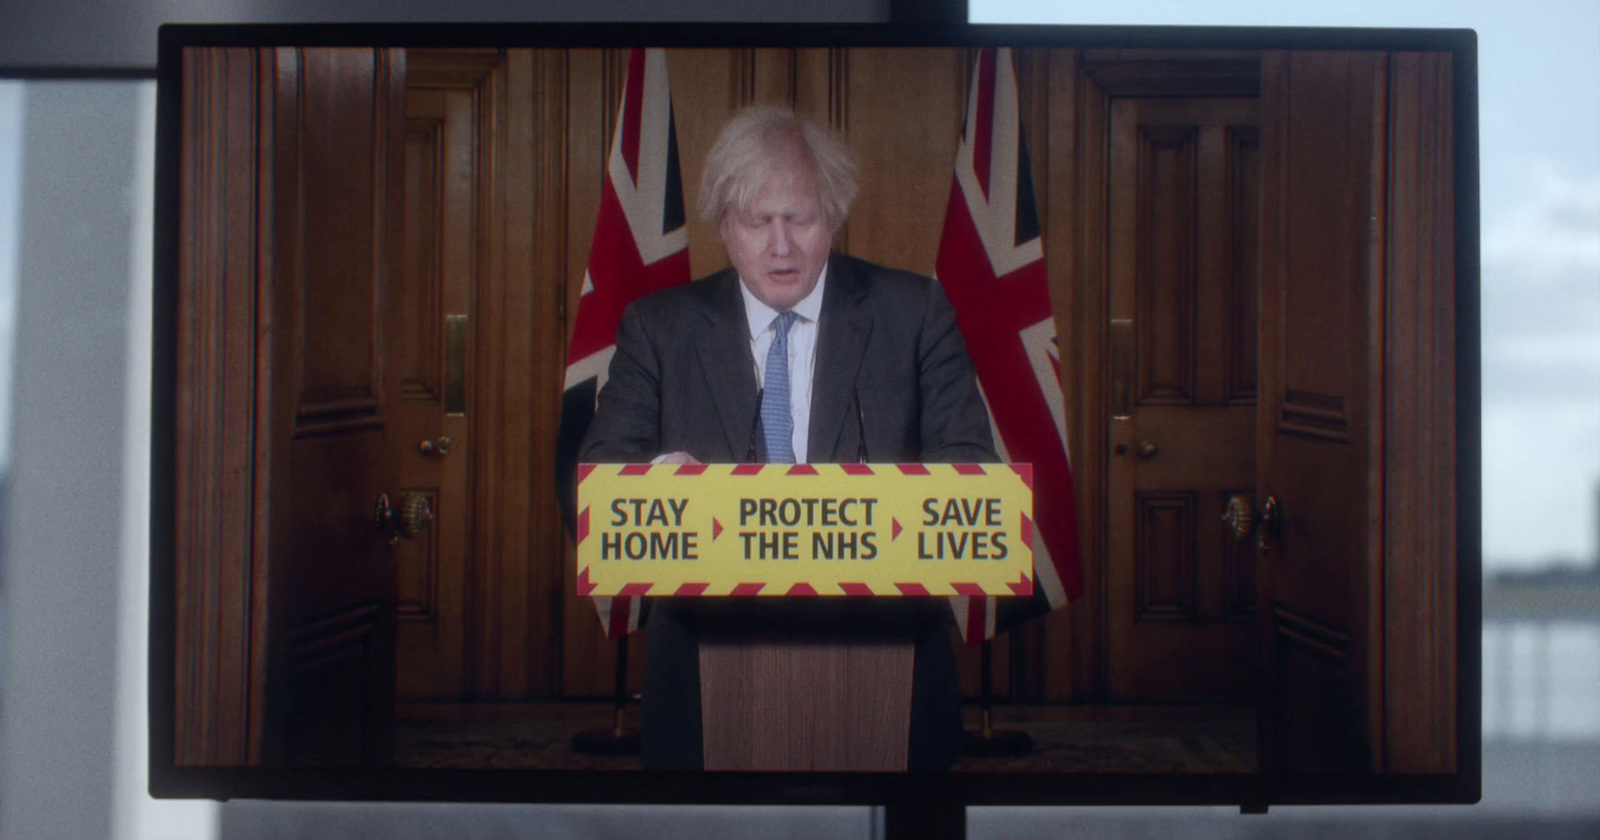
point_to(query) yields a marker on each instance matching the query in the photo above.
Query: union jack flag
(991, 265)
(640, 245)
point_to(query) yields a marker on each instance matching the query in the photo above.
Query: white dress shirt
(802, 353)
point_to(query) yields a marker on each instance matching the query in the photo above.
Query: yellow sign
(805, 529)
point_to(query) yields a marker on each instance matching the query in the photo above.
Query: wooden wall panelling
(536, 87)
(1168, 72)
(583, 128)
(499, 532)
(903, 116)
(708, 86)
(1371, 570)
(769, 77)
(1420, 624)
(265, 411)
(517, 344)
(820, 76)
(498, 639)
(214, 543)
(818, 94)
(1079, 178)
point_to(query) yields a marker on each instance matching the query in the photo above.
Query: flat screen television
(1241, 264)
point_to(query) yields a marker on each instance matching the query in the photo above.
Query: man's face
(779, 243)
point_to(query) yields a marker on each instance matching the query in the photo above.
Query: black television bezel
(1250, 791)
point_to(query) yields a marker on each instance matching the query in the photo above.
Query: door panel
(431, 322)
(1185, 220)
(1321, 407)
(330, 168)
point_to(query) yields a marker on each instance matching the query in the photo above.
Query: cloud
(1541, 368)
(1555, 229)
(1541, 295)
(1541, 470)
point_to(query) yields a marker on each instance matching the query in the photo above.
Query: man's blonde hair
(755, 144)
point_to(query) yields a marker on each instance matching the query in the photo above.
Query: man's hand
(676, 458)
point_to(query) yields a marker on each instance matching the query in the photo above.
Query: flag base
(1007, 743)
(615, 741)
(606, 742)
(986, 741)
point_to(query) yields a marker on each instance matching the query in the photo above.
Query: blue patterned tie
(776, 422)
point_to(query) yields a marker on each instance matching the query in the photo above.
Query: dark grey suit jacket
(890, 360)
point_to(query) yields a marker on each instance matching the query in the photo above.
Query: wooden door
(446, 145)
(1184, 230)
(329, 167)
(1321, 412)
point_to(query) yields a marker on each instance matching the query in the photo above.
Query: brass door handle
(1241, 515)
(1242, 518)
(1271, 521)
(414, 515)
(382, 511)
(441, 446)
(407, 520)
(1148, 449)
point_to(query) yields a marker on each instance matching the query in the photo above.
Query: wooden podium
(813, 586)
(805, 702)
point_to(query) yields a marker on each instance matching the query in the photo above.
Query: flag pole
(626, 261)
(987, 742)
(616, 741)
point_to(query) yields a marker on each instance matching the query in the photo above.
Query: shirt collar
(760, 315)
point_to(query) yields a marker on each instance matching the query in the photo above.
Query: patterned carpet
(1200, 739)
(1126, 740)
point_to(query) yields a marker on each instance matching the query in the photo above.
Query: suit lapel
(842, 333)
(724, 351)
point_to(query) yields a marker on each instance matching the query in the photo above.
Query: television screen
(1216, 287)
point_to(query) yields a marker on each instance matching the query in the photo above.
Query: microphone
(750, 455)
(861, 428)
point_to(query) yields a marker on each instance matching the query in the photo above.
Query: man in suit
(794, 354)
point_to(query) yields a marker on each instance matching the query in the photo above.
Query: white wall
(63, 528)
